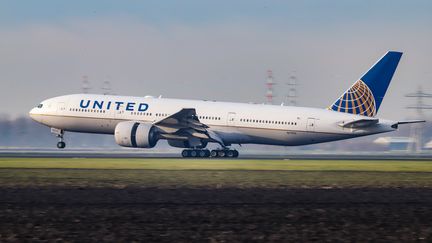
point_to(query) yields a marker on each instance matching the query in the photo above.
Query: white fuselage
(234, 123)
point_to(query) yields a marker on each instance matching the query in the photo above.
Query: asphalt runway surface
(57, 214)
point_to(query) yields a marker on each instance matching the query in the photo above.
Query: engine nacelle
(136, 134)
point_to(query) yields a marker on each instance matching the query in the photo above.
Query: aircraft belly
(232, 135)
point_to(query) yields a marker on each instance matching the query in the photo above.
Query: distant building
(394, 143)
(428, 145)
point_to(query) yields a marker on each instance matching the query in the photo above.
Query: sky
(214, 50)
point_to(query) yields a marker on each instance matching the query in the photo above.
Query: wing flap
(185, 124)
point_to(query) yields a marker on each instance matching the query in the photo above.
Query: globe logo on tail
(357, 100)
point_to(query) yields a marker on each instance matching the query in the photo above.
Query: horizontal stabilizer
(359, 123)
(410, 121)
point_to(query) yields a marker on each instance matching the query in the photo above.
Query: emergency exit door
(311, 124)
(231, 119)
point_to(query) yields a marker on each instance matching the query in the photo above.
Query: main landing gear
(59, 133)
(205, 153)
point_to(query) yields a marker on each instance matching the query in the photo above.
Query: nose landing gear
(59, 133)
(61, 145)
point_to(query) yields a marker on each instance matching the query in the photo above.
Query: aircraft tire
(236, 153)
(230, 153)
(194, 153)
(202, 153)
(185, 153)
(214, 153)
(221, 153)
(61, 145)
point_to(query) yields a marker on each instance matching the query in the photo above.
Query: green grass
(198, 164)
(172, 173)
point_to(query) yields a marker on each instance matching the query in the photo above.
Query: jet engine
(136, 134)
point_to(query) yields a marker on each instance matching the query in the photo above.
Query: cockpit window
(40, 106)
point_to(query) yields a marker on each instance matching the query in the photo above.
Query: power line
(417, 129)
(106, 87)
(291, 96)
(85, 84)
(270, 83)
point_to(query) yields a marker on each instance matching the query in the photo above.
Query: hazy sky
(217, 50)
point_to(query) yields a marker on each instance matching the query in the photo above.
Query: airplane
(140, 122)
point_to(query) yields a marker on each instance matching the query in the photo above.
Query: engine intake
(136, 134)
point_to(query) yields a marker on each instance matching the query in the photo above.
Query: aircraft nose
(31, 112)
(33, 115)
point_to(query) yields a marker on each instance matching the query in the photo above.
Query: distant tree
(5, 131)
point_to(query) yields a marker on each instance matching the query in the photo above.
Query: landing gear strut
(59, 133)
(204, 153)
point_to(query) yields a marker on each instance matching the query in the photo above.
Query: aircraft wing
(185, 124)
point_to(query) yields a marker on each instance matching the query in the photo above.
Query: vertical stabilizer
(364, 97)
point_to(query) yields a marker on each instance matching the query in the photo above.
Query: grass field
(213, 173)
(206, 164)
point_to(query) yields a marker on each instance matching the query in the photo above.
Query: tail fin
(365, 96)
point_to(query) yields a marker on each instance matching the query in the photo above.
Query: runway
(303, 155)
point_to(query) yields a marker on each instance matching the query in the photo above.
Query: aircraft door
(311, 123)
(231, 119)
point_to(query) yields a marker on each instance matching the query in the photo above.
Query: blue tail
(365, 96)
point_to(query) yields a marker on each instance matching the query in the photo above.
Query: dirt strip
(215, 215)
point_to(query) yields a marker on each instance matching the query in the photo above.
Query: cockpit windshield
(40, 106)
